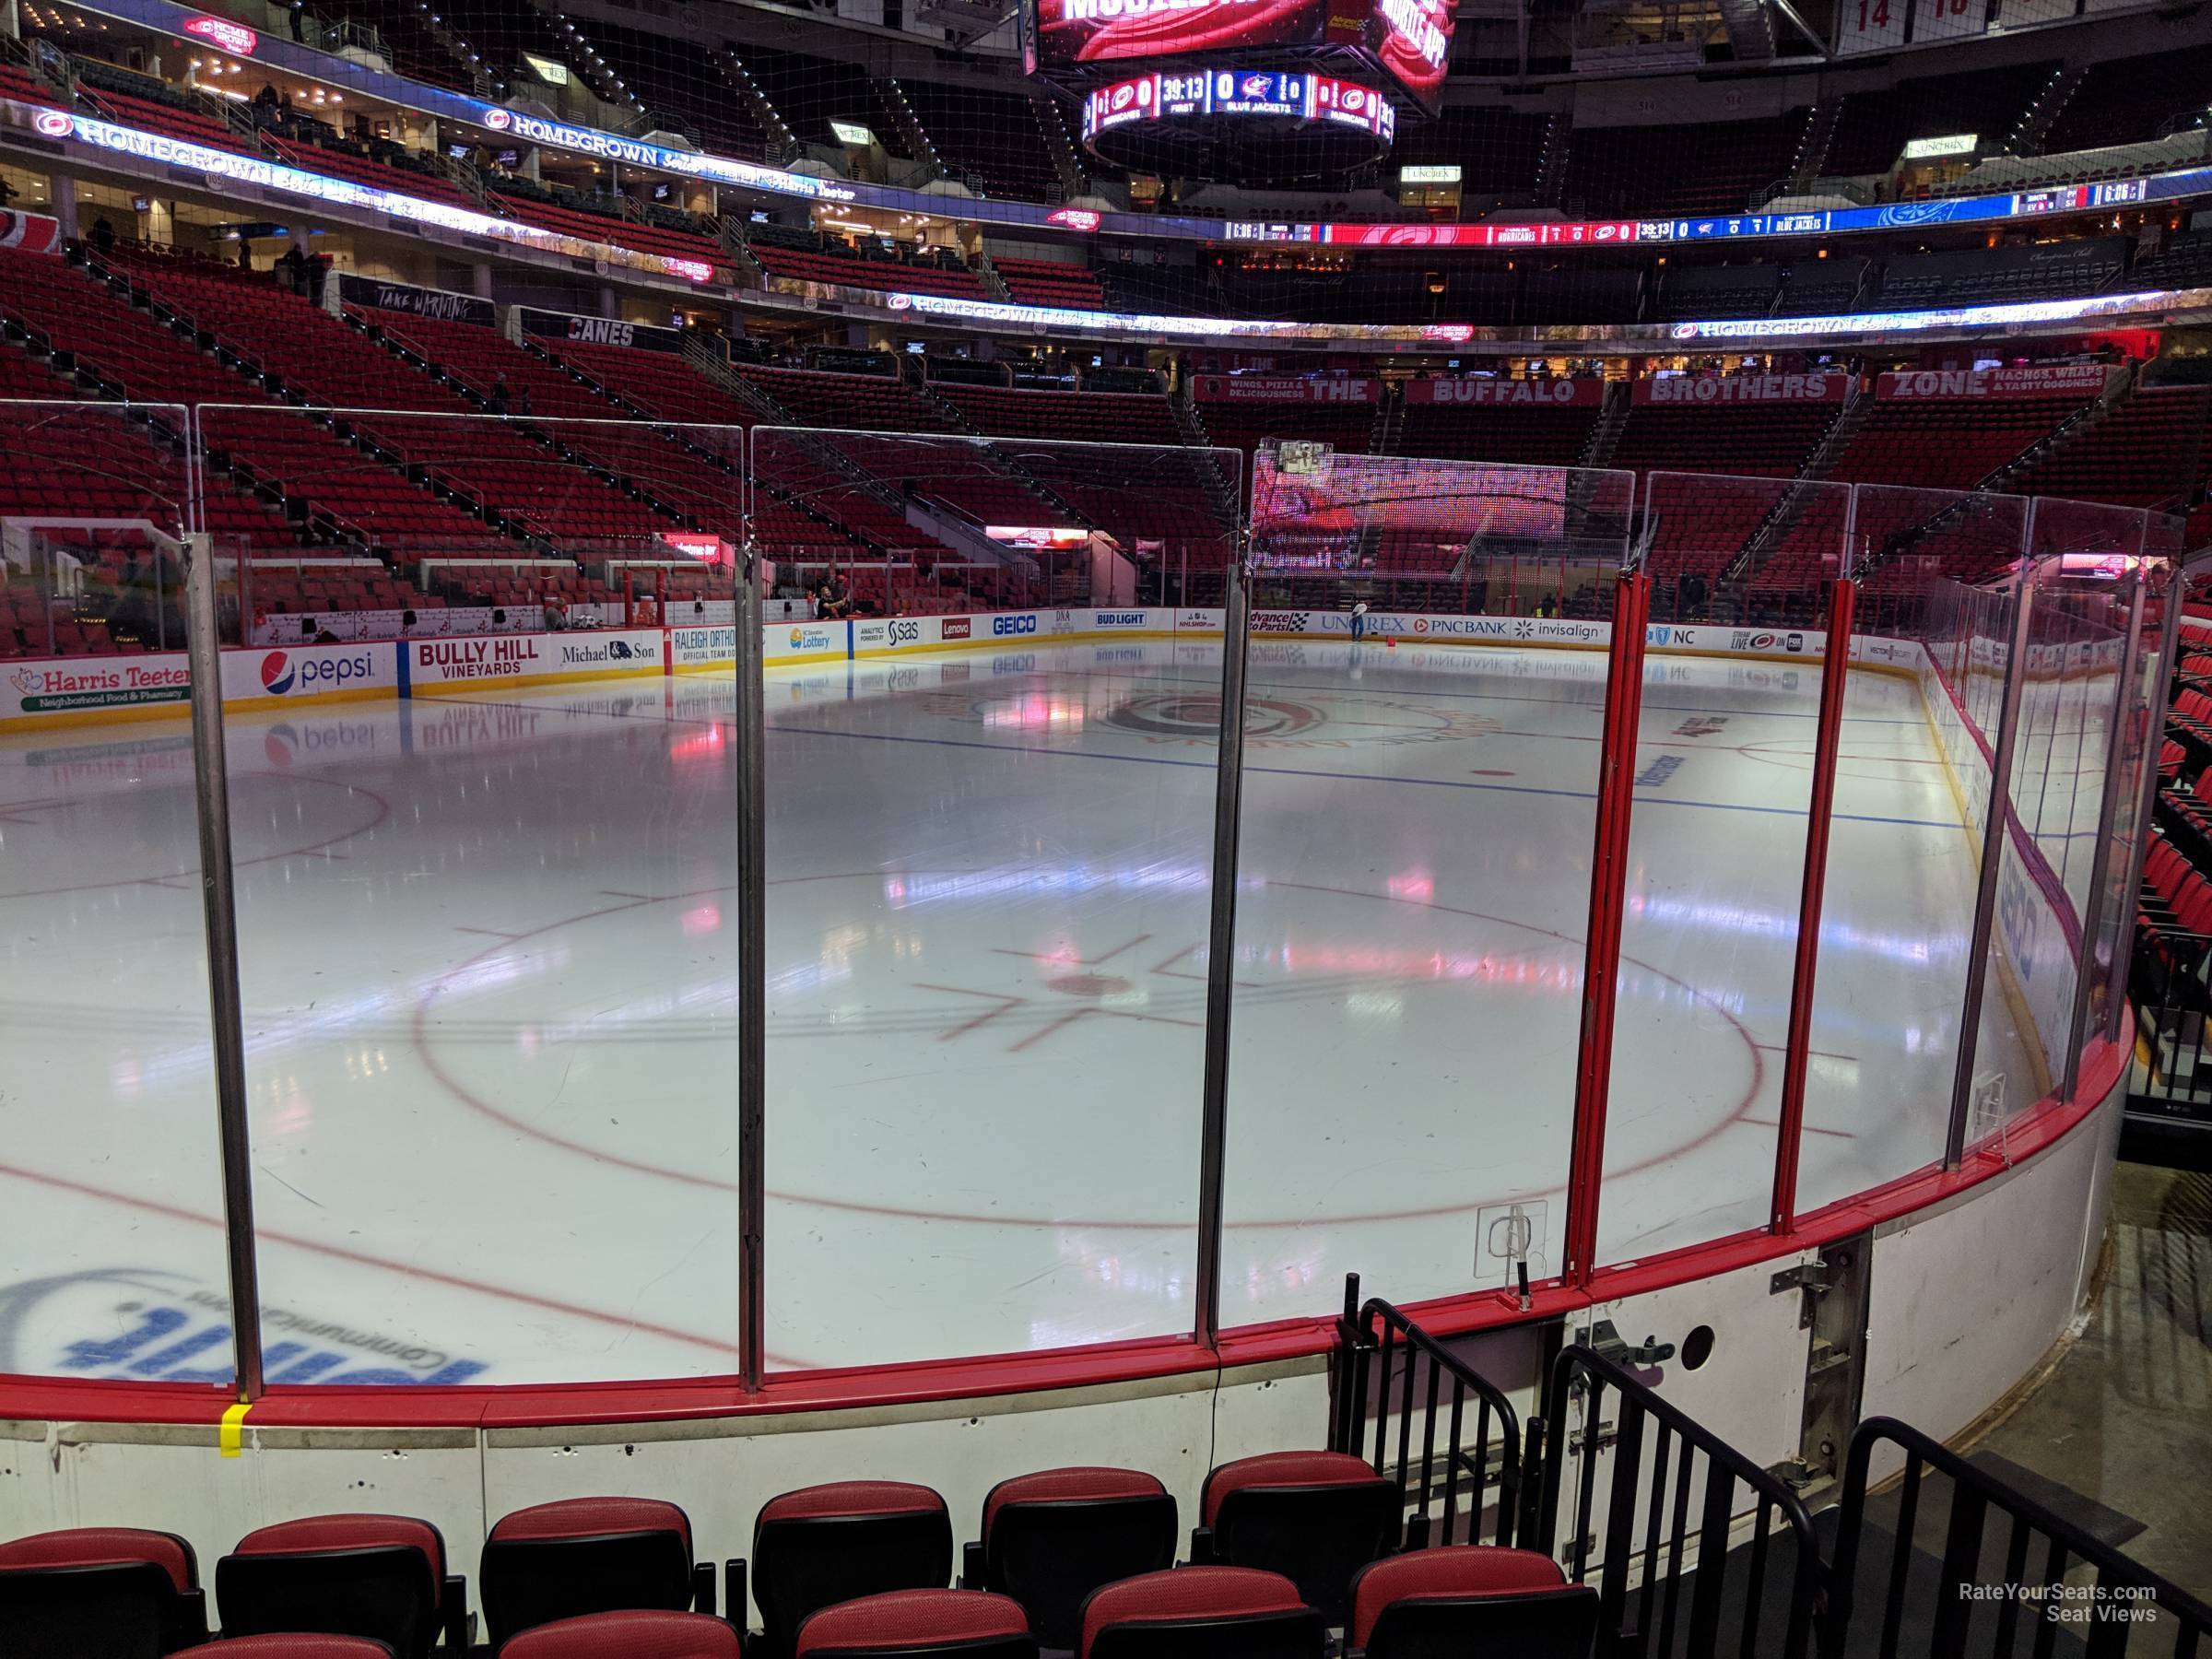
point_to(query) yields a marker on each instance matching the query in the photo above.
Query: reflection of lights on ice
(1418, 886)
(701, 919)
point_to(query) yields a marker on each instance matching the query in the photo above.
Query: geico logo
(1004, 626)
(1013, 664)
(904, 632)
(602, 331)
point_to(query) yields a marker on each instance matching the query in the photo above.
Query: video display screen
(1408, 40)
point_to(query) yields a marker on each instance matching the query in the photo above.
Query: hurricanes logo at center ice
(1279, 722)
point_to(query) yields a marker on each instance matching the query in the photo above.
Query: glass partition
(482, 783)
(1723, 775)
(1930, 636)
(990, 784)
(111, 1212)
(1424, 715)
(488, 981)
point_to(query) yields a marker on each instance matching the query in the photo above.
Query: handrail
(1659, 1558)
(1375, 1327)
(2107, 1618)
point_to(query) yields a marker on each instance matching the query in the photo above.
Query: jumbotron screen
(1408, 40)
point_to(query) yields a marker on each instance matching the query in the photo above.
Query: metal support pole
(2108, 810)
(1835, 671)
(1996, 824)
(752, 976)
(218, 904)
(1221, 949)
(1601, 945)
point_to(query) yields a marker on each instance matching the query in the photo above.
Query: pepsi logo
(276, 674)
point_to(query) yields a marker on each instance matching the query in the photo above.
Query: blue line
(1293, 772)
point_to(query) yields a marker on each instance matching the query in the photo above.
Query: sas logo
(903, 632)
(53, 124)
(1005, 627)
(956, 628)
(276, 674)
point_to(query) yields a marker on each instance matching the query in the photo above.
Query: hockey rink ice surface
(488, 964)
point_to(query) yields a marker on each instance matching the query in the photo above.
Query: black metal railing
(1383, 1364)
(1682, 1482)
(2083, 1589)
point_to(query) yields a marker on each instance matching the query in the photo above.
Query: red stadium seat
(826, 1544)
(1315, 1517)
(381, 1576)
(919, 1624)
(114, 1592)
(590, 1555)
(290, 1644)
(1049, 1539)
(1470, 1599)
(635, 1634)
(1201, 1613)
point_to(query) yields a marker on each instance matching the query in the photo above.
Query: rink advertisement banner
(307, 674)
(1488, 392)
(1286, 388)
(437, 665)
(2085, 380)
(701, 647)
(68, 690)
(1741, 389)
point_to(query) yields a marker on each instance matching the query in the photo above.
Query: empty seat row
(1289, 1546)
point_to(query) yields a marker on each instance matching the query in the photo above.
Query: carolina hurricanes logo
(275, 674)
(499, 121)
(53, 123)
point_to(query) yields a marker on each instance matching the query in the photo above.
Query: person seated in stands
(293, 264)
(557, 613)
(1547, 606)
(103, 236)
(500, 401)
(834, 603)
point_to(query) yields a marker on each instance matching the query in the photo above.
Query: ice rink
(487, 958)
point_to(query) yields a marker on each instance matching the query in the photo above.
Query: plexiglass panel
(1722, 774)
(1926, 688)
(489, 985)
(1427, 695)
(111, 1221)
(990, 778)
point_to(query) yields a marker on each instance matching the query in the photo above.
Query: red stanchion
(1835, 671)
(1601, 952)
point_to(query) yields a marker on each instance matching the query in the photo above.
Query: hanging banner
(1283, 388)
(600, 331)
(1742, 389)
(375, 295)
(1490, 392)
(2085, 379)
